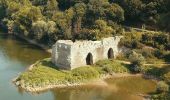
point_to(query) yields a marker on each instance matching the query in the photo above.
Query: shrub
(166, 77)
(108, 69)
(137, 61)
(161, 96)
(162, 87)
(84, 73)
(159, 53)
(147, 52)
(153, 70)
(110, 66)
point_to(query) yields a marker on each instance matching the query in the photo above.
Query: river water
(15, 57)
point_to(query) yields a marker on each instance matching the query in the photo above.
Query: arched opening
(110, 54)
(89, 59)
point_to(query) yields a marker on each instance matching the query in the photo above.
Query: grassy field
(44, 73)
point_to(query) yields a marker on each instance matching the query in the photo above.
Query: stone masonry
(69, 55)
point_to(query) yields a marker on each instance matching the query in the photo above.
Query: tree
(2, 10)
(80, 10)
(64, 23)
(132, 8)
(52, 31)
(115, 13)
(51, 8)
(164, 21)
(39, 29)
(39, 2)
(102, 30)
(95, 10)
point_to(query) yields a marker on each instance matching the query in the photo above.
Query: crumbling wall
(69, 55)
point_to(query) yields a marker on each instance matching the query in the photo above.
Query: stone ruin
(69, 55)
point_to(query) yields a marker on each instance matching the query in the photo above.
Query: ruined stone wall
(69, 55)
(61, 55)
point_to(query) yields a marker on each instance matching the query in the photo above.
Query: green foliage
(161, 96)
(137, 61)
(144, 11)
(110, 66)
(45, 73)
(164, 21)
(156, 40)
(2, 11)
(162, 87)
(72, 17)
(152, 45)
(132, 40)
(102, 30)
(85, 73)
(162, 92)
(132, 8)
(68, 18)
(166, 77)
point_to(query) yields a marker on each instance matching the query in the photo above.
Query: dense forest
(50, 20)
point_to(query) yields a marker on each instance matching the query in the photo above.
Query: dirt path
(161, 64)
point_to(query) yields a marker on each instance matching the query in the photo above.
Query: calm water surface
(16, 56)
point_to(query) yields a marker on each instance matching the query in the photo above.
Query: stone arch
(110, 53)
(89, 59)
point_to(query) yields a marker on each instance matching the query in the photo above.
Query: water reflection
(15, 56)
(20, 51)
(117, 89)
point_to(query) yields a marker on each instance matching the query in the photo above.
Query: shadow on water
(127, 88)
(17, 40)
(21, 51)
(158, 71)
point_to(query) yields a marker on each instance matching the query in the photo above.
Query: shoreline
(98, 82)
(33, 42)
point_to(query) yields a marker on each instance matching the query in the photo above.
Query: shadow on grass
(167, 58)
(156, 71)
(129, 67)
(47, 62)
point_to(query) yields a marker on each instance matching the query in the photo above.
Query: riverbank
(42, 46)
(97, 82)
(44, 75)
(31, 41)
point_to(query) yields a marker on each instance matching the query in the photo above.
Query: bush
(161, 96)
(147, 52)
(166, 77)
(162, 87)
(110, 66)
(159, 53)
(84, 73)
(137, 61)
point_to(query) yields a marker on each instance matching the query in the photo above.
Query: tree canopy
(51, 20)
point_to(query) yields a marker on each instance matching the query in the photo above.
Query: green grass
(45, 73)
